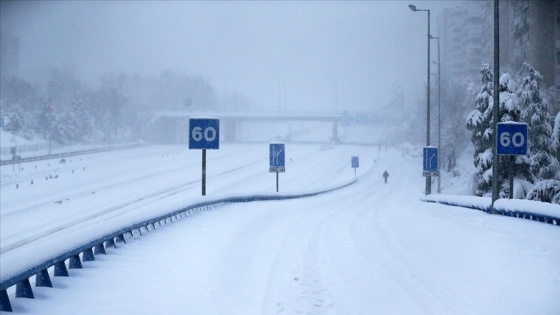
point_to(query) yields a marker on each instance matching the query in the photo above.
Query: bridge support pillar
(334, 132)
(230, 129)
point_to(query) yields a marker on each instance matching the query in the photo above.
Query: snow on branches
(520, 102)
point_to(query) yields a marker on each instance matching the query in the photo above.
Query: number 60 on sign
(512, 139)
(204, 133)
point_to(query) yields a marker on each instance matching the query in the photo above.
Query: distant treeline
(67, 111)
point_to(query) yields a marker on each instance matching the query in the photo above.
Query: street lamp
(428, 177)
(439, 116)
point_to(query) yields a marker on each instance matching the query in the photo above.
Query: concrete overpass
(171, 126)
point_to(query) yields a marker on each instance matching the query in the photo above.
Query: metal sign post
(204, 133)
(355, 163)
(511, 140)
(277, 157)
(204, 172)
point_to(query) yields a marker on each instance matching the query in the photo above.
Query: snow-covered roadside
(552, 211)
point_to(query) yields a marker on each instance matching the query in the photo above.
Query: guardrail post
(5, 304)
(74, 262)
(87, 255)
(60, 269)
(99, 249)
(121, 239)
(23, 290)
(110, 242)
(43, 279)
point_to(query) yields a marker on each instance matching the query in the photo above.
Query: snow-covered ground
(368, 248)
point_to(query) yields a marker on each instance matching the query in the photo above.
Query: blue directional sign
(355, 162)
(277, 158)
(204, 133)
(512, 138)
(430, 161)
(345, 119)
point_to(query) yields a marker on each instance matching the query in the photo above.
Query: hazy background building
(466, 36)
(533, 37)
(9, 55)
(529, 32)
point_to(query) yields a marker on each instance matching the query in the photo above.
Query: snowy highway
(370, 248)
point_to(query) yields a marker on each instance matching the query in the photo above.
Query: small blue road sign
(204, 133)
(430, 161)
(355, 162)
(277, 158)
(345, 119)
(512, 138)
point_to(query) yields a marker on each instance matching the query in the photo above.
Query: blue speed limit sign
(204, 133)
(512, 138)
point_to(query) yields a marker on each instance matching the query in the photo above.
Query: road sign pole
(511, 160)
(204, 133)
(276, 181)
(496, 105)
(204, 172)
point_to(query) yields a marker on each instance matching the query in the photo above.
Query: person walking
(385, 176)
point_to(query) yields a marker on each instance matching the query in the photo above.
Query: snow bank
(510, 207)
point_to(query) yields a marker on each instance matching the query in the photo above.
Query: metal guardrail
(522, 214)
(61, 155)
(98, 245)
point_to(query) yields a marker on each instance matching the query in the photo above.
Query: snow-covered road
(370, 248)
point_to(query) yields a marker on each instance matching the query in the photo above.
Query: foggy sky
(302, 55)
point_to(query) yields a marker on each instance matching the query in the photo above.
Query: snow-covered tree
(20, 102)
(556, 137)
(479, 123)
(45, 118)
(509, 110)
(71, 124)
(546, 191)
(16, 120)
(542, 153)
(456, 105)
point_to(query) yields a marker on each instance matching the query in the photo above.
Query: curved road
(371, 248)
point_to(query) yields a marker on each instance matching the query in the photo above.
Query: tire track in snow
(444, 296)
(90, 217)
(300, 289)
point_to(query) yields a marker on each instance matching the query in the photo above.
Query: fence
(22, 148)
(71, 153)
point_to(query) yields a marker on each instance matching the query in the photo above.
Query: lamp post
(402, 113)
(495, 161)
(428, 177)
(438, 115)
